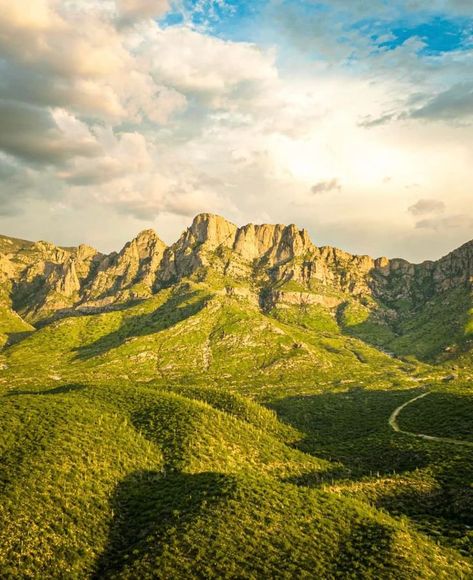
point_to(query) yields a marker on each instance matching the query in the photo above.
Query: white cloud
(193, 62)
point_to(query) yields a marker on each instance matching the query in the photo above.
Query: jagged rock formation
(275, 255)
(130, 274)
(213, 241)
(278, 263)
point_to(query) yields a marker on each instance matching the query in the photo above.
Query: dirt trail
(394, 425)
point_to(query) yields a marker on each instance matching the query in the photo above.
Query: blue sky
(353, 119)
(439, 33)
(442, 30)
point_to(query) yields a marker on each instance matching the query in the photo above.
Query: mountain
(270, 265)
(221, 407)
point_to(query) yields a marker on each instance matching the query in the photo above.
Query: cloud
(454, 104)
(130, 10)
(452, 222)
(43, 136)
(427, 206)
(159, 193)
(20, 183)
(72, 55)
(86, 103)
(326, 186)
(198, 64)
(15, 182)
(126, 154)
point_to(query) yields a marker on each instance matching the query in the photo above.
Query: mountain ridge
(41, 280)
(199, 217)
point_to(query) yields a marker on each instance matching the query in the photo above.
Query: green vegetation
(364, 322)
(441, 414)
(228, 427)
(250, 527)
(138, 482)
(440, 327)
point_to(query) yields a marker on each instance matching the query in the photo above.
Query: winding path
(394, 425)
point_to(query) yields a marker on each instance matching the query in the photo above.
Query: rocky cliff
(279, 263)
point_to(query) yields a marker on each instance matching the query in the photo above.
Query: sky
(351, 118)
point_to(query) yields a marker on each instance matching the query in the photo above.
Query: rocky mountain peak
(144, 245)
(239, 247)
(213, 230)
(148, 237)
(118, 274)
(85, 252)
(276, 242)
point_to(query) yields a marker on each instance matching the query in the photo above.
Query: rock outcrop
(132, 270)
(213, 241)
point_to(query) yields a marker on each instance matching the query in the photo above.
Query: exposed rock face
(275, 243)
(271, 255)
(137, 263)
(276, 297)
(396, 279)
(44, 278)
(41, 280)
(192, 251)
(231, 250)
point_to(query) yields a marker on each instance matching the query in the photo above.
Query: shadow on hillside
(352, 428)
(88, 311)
(63, 389)
(424, 331)
(450, 499)
(16, 337)
(150, 507)
(373, 330)
(441, 414)
(176, 309)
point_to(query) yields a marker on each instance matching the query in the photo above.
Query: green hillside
(137, 482)
(230, 418)
(192, 334)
